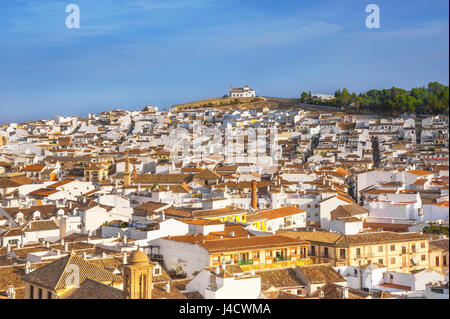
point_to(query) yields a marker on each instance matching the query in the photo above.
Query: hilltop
(227, 103)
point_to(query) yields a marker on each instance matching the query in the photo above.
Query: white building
(218, 283)
(242, 92)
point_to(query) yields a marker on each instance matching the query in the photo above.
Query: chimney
(47, 244)
(58, 252)
(345, 292)
(167, 287)
(124, 259)
(254, 202)
(125, 239)
(62, 241)
(162, 215)
(84, 255)
(232, 234)
(27, 267)
(66, 247)
(8, 248)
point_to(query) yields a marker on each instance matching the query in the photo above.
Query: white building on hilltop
(242, 92)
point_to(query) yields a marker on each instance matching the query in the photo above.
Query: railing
(156, 256)
(281, 264)
(246, 262)
(278, 259)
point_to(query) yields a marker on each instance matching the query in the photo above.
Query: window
(413, 248)
(316, 206)
(256, 255)
(380, 249)
(268, 253)
(423, 257)
(156, 271)
(49, 295)
(392, 260)
(392, 247)
(13, 242)
(308, 206)
(40, 293)
(31, 292)
(444, 260)
(342, 253)
(293, 251)
(380, 261)
(325, 252)
(437, 260)
(216, 259)
(422, 245)
(313, 250)
(358, 252)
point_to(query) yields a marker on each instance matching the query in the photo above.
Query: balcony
(278, 264)
(245, 262)
(278, 259)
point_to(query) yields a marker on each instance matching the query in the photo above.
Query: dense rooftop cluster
(331, 206)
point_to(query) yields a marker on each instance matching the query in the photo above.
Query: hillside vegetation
(433, 99)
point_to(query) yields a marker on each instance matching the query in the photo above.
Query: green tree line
(432, 99)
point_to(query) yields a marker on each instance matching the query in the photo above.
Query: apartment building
(397, 251)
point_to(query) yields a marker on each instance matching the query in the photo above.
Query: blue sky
(132, 53)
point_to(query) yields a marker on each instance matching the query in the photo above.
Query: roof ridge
(64, 270)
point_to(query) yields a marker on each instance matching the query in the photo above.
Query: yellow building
(96, 172)
(260, 252)
(397, 251)
(222, 214)
(439, 255)
(258, 221)
(3, 140)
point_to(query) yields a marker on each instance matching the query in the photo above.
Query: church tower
(127, 173)
(137, 277)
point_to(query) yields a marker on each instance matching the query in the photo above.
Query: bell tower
(137, 277)
(127, 173)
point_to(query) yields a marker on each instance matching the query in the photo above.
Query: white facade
(184, 256)
(346, 228)
(242, 92)
(239, 286)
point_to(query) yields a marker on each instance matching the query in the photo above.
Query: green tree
(304, 97)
